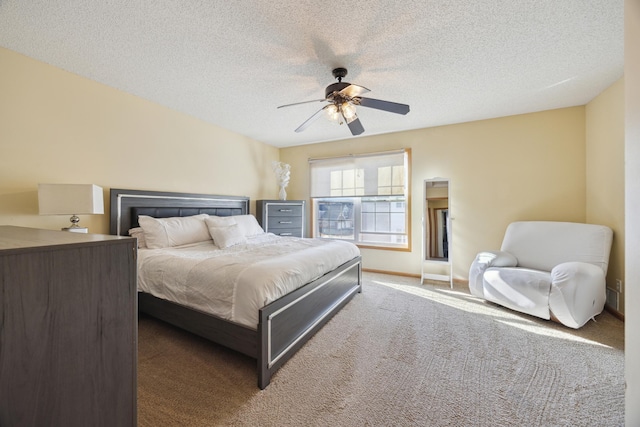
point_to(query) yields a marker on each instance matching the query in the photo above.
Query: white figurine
(283, 174)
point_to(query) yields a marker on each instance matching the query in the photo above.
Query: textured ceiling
(231, 63)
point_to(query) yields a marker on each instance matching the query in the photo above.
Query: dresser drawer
(277, 222)
(291, 232)
(284, 210)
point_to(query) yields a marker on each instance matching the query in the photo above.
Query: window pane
(382, 222)
(397, 221)
(398, 176)
(336, 180)
(382, 206)
(368, 222)
(368, 206)
(348, 179)
(384, 176)
(396, 207)
(390, 239)
(360, 178)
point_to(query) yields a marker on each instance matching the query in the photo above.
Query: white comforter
(234, 283)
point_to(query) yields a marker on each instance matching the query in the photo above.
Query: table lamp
(70, 199)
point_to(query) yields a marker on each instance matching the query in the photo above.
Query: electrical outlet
(618, 285)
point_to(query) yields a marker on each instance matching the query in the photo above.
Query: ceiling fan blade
(392, 107)
(311, 119)
(303, 102)
(354, 90)
(355, 127)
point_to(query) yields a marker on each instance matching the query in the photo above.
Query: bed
(284, 325)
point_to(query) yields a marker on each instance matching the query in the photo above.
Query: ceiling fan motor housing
(335, 87)
(338, 73)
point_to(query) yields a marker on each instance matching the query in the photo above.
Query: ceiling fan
(342, 100)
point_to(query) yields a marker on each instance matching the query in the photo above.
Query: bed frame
(284, 325)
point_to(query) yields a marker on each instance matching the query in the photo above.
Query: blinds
(363, 175)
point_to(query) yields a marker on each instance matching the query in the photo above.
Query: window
(363, 199)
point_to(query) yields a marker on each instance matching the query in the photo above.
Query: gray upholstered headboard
(127, 205)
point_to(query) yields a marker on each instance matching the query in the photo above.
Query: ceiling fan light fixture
(349, 111)
(333, 112)
(349, 119)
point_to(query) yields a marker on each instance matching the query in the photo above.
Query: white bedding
(234, 283)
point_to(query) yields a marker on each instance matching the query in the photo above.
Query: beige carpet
(399, 354)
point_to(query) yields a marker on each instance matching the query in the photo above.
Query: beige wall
(605, 173)
(56, 127)
(524, 167)
(632, 209)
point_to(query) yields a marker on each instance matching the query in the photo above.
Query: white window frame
(330, 203)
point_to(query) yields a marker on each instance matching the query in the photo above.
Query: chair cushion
(520, 289)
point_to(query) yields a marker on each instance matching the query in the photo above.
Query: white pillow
(230, 235)
(174, 231)
(248, 225)
(138, 233)
(220, 221)
(214, 222)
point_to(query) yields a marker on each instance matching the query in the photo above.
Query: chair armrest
(483, 261)
(578, 293)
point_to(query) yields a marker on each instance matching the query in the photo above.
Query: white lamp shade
(70, 199)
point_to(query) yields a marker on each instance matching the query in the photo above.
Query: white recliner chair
(552, 270)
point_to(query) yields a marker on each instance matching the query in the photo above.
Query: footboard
(286, 324)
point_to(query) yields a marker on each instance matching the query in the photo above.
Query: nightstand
(281, 217)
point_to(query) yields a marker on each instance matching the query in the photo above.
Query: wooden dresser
(281, 217)
(68, 328)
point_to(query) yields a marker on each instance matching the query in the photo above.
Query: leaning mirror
(436, 232)
(437, 220)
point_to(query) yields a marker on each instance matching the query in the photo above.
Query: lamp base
(76, 229)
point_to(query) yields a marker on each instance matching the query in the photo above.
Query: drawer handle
(286, 234)
(286, 210)
(286, 222)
